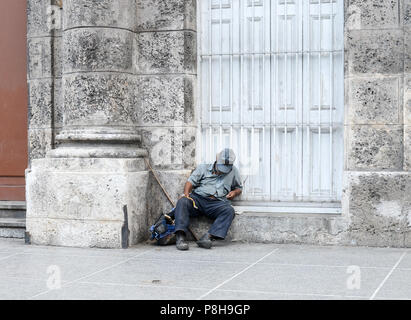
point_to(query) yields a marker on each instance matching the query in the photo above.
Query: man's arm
(187, 188)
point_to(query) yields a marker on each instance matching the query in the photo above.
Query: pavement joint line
(74, 255)
(225, 290)
(388, 275)
(237, 274)
(140, 285)
(293, 293)
(271, 263)
(9, 256)
(27, 278)
(92, 274)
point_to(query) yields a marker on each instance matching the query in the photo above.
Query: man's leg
(223, 213)
(184, 209)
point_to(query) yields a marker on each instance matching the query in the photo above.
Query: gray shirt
(206, 183)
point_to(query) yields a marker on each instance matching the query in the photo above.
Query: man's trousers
(221, 211)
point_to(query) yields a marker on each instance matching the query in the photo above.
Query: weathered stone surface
(40, 141)
(376, 207)
(57, 56)
(58, 104)
(166, 15)
(102, 13)
(375, 147)
(40, 103)
(287, 228)
(98, 49)
(406, 12)
(165, 100)
(407, 148)
(37, 18)
(157, 202)
(66, 196)
(375, 51)
(166, 52)
(39, 57)
(407, 99)
(17, 233)
(75, 233)
(170, 147)
(407, 49)
(99, 99)
(44, 57)
(375, 101)
(372, 14)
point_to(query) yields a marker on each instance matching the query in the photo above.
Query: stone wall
(377, 193)
(44, 42)
(132, 64)
(166, 56)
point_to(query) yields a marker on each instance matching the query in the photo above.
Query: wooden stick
(165, 192)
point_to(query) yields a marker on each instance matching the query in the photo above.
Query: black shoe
(205, 241)
(181, 242)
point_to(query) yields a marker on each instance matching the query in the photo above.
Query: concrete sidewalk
(227, 271)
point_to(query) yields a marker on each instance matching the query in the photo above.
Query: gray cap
(225, 160)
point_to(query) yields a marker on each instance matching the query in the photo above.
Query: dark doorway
(13, 99)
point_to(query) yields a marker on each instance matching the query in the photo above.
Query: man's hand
(233, 194)
(187, 189)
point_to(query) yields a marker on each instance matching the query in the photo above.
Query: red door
(13, 99)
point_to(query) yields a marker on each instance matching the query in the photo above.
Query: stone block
(407, 148)
(40, 141)
(375, 101)
(165, 100)
(376, 207)
(58, 104)
(406, 12)
(407, 240)
(375, 51)
(166, 15)
(407, 50)
(40, 103)
(58, 56)
(376, 14)
(98, 49)
(166, 52)
(170, 148)
(407, 99)
(79, 202)
(285, 228)
(37, 18)
(100, 13)
(75, 233)
(44, 57)
(39, 57)
(99, 99)
(375, 147)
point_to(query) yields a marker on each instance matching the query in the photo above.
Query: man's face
(215, 168)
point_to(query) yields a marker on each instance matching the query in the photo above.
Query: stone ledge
(282, 228)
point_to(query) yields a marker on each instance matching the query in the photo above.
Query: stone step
(12, 227)
(12, 219)
(13, 209)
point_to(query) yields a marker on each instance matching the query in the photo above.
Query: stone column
(166, 74)
(76, 195)
(377, 194)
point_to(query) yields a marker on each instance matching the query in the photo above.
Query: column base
(377, 206)
(78, 202)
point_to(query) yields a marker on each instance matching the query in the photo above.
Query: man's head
(225, 160)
